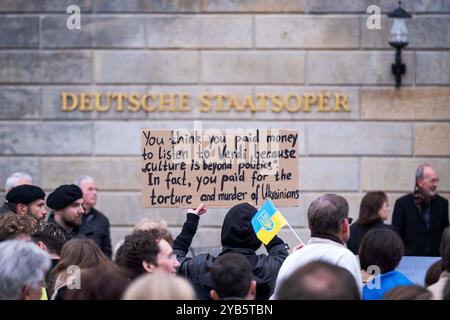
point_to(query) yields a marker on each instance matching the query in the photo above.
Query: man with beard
(66, 201)
(421, 216)
(27, 200)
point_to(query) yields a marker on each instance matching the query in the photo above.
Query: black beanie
(64, 195)
(237, 229)
(25, 194)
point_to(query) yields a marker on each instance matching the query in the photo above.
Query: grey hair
(420, 169)
(11, 181)
(21, 263)
(80, 179)
(326, 213)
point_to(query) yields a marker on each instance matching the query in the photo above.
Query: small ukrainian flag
(267, 222)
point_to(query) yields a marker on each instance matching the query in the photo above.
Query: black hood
(237, 229)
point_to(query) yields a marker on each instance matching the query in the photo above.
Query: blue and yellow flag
(267, 222)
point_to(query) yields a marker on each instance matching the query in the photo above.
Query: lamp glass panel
(399, 32)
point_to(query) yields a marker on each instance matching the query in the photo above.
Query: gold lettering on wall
(341, 102)
(218, 102)
(67, 98)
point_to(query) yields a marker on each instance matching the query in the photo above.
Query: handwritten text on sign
(182, 168)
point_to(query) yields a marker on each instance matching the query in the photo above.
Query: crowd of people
(66, 254)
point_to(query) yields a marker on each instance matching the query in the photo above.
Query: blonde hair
(159, 285)
(147, 224)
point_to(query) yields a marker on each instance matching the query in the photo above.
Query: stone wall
(233, 47)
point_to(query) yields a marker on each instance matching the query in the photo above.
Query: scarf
(421, 198)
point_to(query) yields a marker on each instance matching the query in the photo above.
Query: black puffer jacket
(197, 269)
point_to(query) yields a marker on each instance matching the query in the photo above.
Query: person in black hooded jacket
(237, 236)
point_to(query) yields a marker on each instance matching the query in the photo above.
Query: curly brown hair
(13, 225)
(138, 247)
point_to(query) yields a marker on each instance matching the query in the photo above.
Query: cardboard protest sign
(220, 168)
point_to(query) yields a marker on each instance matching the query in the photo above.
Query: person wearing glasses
(420, 217)
(328, 221)
(373, 211)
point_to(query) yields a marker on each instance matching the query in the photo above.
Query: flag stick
(295, 233)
